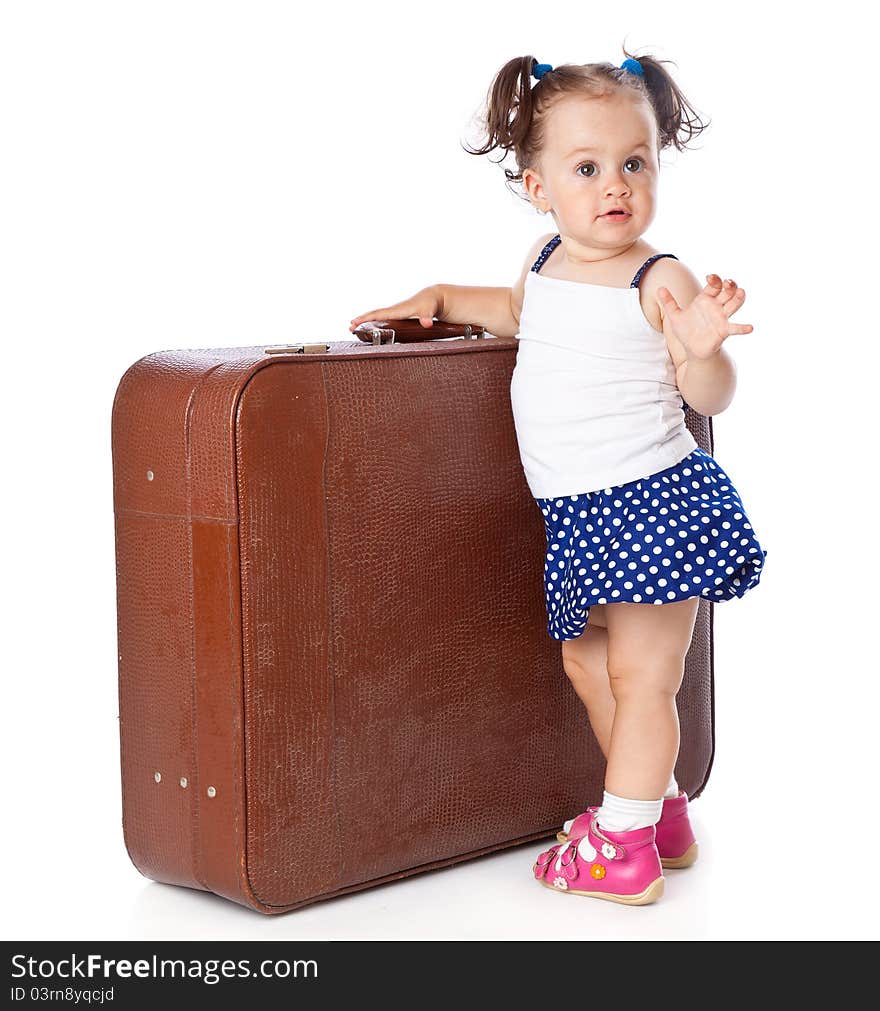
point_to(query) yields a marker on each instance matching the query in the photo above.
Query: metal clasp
(298, 349)
(378, 333)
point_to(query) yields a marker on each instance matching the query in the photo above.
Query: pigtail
(677, 120)
(507, 116)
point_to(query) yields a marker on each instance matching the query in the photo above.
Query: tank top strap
(646, 264)
(554, 242)
(545, 252)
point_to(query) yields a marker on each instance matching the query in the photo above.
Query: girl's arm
(708, 384)
(705, 372)
(491, 308)
(495, 309)
(502, 305)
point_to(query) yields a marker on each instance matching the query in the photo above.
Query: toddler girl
(614, 338)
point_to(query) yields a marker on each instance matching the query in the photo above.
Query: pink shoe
(621, 866)
(674, 837)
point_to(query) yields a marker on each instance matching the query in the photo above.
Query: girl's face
(600, 153)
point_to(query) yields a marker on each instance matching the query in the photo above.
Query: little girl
(614, 338)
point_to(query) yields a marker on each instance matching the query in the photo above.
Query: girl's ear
(534, 190)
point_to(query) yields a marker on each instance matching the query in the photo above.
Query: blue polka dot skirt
(679, 533)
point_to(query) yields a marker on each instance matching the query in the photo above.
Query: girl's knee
(583, 659)
(641, 677)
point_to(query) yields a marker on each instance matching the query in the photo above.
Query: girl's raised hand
(424, 305)
(705, 325)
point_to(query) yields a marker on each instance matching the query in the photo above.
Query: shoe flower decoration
(563, 858)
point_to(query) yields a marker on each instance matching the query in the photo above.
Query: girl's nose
(617, 187)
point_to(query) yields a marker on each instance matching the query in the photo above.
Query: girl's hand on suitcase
(705, 324)
(424, 306)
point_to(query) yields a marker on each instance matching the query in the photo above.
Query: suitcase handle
(406, 331)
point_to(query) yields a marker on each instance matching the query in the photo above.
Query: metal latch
(298, 349)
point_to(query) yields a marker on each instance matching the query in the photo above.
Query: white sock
(672, 789)
(619, 814)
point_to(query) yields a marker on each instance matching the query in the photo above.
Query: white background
(187, 174)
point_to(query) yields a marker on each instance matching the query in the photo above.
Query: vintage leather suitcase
(334, 668)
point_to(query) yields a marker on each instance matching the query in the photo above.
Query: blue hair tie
(632, 67)
(540, 69)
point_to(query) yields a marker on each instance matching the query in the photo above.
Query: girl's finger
(734, 302)
(728, 290)
(714, 285)
(391, 312)
(665, 296)
(373, 314)
(376, 314)
(740, 328)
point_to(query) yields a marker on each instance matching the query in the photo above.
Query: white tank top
(594, 395)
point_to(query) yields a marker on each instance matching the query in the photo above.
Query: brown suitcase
(334, 669)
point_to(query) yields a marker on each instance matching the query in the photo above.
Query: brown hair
(516, 105)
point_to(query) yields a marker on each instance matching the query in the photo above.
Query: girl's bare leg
(646, 650)
(585, 661)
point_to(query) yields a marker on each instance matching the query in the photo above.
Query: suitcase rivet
(157, 776)
(183, 781)
(149, 475)
(212, 792)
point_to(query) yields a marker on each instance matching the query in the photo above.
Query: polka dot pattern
(679, 533)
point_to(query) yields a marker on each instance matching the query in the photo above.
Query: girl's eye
(591, 165)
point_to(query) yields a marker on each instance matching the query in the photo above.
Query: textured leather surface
(330, 611)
